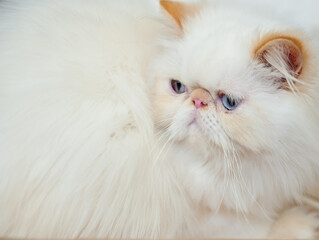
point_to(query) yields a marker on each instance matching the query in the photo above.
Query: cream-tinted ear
(180, 11)
(284, 49)
(286, 55)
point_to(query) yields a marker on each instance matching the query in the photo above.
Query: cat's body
(68, 130)
(80, 156)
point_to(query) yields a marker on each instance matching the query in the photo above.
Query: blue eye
(230, 103)
(178, 87)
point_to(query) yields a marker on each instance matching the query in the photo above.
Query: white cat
(233, 97)
(238, 93)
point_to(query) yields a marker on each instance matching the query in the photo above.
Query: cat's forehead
(215, 61)
(217, 49)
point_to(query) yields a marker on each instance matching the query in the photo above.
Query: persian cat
(131, 121)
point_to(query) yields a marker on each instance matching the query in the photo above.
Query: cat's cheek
(244, 130)
(235, 125)
(164, 109)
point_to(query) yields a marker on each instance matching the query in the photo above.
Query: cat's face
(228, 86)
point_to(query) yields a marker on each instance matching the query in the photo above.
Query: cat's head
(231, 81)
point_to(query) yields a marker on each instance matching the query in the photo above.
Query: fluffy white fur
(74, 120)
(80, 156)
(262, 156)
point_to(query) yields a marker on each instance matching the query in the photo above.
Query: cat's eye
(177, 86)
(229, 102)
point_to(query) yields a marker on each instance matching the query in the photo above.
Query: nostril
(199, 103)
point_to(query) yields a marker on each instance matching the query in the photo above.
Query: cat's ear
(285, 54)
(180, 11)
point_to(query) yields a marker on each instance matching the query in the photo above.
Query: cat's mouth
(192, 122)
(193, 119)
(207, 128)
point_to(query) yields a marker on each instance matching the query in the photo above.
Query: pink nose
(199, 103)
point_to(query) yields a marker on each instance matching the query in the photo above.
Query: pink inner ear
(288, 50)
(295, 59)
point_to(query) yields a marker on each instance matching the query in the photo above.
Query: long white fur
(74, 139)
(79, 155)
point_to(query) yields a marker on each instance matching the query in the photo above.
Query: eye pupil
(230, 103)
(177, 86)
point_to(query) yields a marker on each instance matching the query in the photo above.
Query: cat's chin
(196, 138)
(196, 134)
(193, 134)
